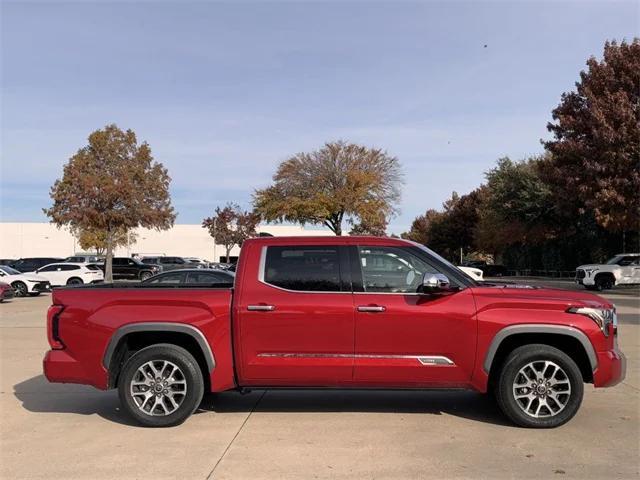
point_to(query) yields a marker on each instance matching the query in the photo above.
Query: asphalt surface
(54, 431)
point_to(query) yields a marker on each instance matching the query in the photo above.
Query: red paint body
(319, 339)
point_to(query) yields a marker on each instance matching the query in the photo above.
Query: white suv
(71, 273)
(623, 269)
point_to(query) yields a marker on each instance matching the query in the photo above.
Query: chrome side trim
(536, 328)
(426, 360)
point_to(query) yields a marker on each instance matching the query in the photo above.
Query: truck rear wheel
(539, 386)
(161, 385)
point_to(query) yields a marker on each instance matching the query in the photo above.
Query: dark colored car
(6, 291)
(7, 261)
(132, 268)
(192, 277)
(168, 263)
(494, 270)
(34, 263)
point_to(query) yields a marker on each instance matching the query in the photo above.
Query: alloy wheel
(542, 389)
(20, 289)
(158, 388)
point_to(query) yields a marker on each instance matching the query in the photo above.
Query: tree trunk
(228, 260)
(108, 261)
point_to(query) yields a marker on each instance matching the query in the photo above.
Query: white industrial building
(19, 240)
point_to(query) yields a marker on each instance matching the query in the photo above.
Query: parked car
(167, 263)
(6, 292)
(222, 266)
(622, 269)
(7, 261)
(24, 284)
(474, 273)
(494, 270)
(33, 264)
(335, 312)
(132, 269)
(197, 262)
(85, 259)
(65, 273)
(192, 276)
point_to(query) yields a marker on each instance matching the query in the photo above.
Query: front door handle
(261, 308)
(371, 308)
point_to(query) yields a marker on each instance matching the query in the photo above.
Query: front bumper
(41, 287)
(612, 368)
(8, 294)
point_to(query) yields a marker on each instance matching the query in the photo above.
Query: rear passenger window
(310, 269)
(171, 278)
(68, 267)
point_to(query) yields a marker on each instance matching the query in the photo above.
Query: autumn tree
(93, 239)
(339, 182)
(421, 227)
(112, 186)
(231, 226)
(596, 145)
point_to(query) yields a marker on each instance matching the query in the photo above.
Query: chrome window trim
(262, 266)
(426, 360)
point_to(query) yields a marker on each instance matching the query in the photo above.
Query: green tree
(112, 185)
(341, 181)
(596, 145)
(450, 230)
(231, 226)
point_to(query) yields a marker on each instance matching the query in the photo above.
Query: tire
(145, 275)
(75, 281)
(135, 390)
(565, 381)
(20, 289)
(604, 282)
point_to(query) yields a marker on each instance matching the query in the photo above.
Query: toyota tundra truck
(335, 312)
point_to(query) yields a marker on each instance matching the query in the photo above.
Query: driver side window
(391, 270)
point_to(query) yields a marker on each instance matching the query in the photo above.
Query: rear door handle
(261, 308)
(371, 308)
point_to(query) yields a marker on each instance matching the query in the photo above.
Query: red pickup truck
(346, 312)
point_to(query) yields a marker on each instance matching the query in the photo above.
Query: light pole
(214, 239)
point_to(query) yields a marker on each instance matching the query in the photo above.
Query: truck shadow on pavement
(39, 396)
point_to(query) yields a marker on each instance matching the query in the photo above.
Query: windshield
(9, 270)
(444, 260)
(615, 260)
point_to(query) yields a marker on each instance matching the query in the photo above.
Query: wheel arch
(570, 340)
(132, 337)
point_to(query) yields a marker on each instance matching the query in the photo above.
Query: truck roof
(329, 240)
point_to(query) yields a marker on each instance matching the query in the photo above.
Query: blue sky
(225, 91)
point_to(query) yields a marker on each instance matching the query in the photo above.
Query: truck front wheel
(539, 386)
(604, 282)
(161, 385)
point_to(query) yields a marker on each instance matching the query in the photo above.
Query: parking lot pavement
(73, 432)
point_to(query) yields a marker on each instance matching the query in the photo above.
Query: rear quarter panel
(92, 315)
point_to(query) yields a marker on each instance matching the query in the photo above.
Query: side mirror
(435, 282)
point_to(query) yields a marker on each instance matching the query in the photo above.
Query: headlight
(602, 316)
